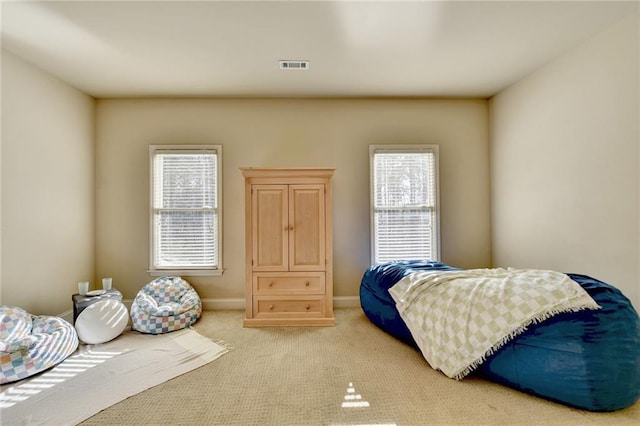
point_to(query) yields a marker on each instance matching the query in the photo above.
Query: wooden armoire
(289, 246)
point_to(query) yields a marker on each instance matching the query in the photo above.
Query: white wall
(565, 164)
(287, 132)
(47, 189)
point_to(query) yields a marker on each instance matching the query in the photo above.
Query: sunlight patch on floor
(70, 367)
(353, 399)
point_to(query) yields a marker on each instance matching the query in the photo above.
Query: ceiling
(355, 49)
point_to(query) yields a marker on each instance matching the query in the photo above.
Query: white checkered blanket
(458, 318)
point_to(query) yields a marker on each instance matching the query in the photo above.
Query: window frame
(409, 149)
(215, 270)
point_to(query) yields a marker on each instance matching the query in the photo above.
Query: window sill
(186, 272)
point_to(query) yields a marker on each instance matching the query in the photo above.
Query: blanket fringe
(516, 332)
(224, 344)
(219, 342)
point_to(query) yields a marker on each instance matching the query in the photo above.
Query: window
(404, 200)
(185, 210)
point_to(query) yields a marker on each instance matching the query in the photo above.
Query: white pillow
(102, 321)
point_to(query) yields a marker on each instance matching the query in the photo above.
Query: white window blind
(404, 185)
(185, 219)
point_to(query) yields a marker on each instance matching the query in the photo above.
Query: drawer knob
(306, 283)
(307, 307)
(271, 307)
(271, 284)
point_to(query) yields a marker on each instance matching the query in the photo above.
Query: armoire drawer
(288, 307)
(274, 283)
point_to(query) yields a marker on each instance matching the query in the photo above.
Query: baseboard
(235, 304)
(239, 304)
(67, 316)
(346, 302)
(222, 304)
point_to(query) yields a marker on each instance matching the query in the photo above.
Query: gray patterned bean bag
(30, 344)
(165, 304)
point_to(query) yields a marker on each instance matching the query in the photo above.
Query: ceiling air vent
(294, 65)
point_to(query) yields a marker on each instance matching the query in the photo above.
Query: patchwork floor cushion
(30, 344)
(587, 359)
(165, 304)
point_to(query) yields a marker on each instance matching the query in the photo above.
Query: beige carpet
(302, 376)
(98, 376)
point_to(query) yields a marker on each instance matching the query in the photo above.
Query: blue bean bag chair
(165, 304)
(588, 359)
(30, 344)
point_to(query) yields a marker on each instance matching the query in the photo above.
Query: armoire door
(307, 227)
(270, 223)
